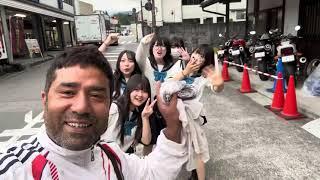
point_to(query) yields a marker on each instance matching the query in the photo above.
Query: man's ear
(43, 98)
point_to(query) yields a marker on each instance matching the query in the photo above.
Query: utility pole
(135, 16)
(153, 17)
(227, 19)
(142, 21)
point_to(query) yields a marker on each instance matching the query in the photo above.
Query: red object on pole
(278, 96)
(290, 109)
(225, 72)
(245, 86)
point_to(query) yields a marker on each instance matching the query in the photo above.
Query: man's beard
(71, 141)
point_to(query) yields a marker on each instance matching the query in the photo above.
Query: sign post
(33, 47)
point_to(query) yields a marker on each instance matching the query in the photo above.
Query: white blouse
(112, 133)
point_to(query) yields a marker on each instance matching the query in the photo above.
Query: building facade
(51, 22)
(83, 8)
(168, 11)
(285, 15)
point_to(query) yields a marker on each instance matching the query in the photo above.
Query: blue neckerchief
(130, 123)
(123, 86)
(128, 126)
(159, 76)
(189, 80)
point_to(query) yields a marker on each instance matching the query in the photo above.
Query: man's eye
(68, 93)
(98, 96)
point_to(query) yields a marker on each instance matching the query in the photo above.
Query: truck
(91, 29)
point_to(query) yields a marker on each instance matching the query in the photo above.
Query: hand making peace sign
(148, 109)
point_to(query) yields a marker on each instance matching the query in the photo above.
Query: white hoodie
(18, 162)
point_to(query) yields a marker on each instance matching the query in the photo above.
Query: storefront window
(52, 33)
(67, 33)
(20, 28)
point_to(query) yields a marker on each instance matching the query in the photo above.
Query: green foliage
(124, 18)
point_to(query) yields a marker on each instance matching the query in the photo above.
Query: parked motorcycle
(222, 49)
(293, 61)
(237, 51)
(263, 53)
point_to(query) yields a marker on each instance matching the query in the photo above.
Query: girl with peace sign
(128, 122)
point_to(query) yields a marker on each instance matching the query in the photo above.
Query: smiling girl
(128, 122)
(126, 67)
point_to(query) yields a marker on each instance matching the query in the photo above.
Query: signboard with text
(33, 47)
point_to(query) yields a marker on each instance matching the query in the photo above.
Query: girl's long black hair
(136, 82)
(168, 59)
(118, 76)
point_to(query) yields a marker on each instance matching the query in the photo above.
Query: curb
(45, 59)
(4, 75)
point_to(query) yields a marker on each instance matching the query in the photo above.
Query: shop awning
(35, 9)
(207, 3)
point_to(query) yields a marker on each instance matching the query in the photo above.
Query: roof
(207, 3)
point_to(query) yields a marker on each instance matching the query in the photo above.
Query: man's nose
(81, 104)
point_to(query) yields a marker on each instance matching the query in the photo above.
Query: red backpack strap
(115, 160)
(38, 165)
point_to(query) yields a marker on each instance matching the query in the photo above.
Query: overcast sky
(113, 6)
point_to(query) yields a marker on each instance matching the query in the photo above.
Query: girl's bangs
(144, 86)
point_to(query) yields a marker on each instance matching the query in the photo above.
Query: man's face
(76, 107)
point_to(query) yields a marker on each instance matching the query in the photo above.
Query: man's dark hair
(85, 56)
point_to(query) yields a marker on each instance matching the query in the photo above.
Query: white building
(178, 11)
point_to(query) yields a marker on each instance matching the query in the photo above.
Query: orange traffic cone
(245, 86)
(225, 72)
(278, 96)
(290, 110)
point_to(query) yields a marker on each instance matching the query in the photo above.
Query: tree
(124, 18)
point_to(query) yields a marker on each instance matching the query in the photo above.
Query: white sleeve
(113, 130)
(142, 54)
(164, 162)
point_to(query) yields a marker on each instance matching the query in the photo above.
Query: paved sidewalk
(308, 105)
(29, 62)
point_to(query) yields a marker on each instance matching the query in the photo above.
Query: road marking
(112, 53)
(111, 56)
(16, 134)
(28, 117)
(313, 127)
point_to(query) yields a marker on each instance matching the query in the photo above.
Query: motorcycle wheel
(262, 66)
(312, 65)
(239, 60)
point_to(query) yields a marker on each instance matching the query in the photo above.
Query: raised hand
(184, 54)
(147, 39)
(191, 67)
(148, 109)
(215, 78)
(112, 38)
(170, 114)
